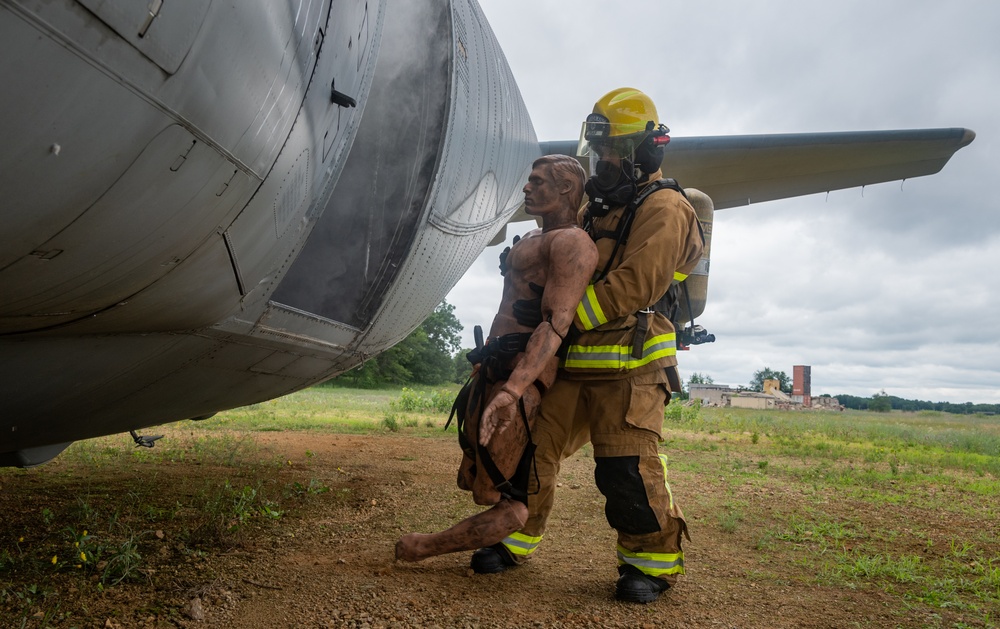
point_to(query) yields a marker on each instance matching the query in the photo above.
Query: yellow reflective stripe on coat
(652, 564)
(620, 356)
(589, 310)
(680, 277)
(521, 544)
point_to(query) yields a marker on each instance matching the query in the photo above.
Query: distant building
(710, 394)
(773, 396)
(752, 399)
(802, 384)
(826, 402)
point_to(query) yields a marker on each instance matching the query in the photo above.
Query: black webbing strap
(621, 232)
(621, 235)
(639, 338)
(502, 483)
(492, 358)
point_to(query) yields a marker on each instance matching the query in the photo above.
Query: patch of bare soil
(328, 560)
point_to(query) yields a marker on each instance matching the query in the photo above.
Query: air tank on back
(692, 304)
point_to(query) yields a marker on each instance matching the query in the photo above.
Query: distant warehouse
(771, 397)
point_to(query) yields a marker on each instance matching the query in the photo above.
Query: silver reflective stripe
(619, 356)
(521, 544)
(653, 564)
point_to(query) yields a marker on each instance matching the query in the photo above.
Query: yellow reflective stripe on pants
(589, 310)
(619, 356)
(663, 462)
(652, 564)
(521, 544)
(680, 277)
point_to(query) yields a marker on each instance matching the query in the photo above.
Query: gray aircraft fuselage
(223, 203)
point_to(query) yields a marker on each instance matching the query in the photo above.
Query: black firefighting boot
(492, 559)
(635, 587)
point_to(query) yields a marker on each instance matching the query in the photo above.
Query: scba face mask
(611, 185)
(613, 176)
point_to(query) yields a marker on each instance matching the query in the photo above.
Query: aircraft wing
(742, 169)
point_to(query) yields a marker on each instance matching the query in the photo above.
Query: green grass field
(904, 504)
(947, 465)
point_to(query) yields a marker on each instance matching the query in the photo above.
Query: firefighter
(619, 364)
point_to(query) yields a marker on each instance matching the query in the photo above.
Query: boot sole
(633, 596)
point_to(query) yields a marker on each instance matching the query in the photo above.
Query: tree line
(883, 402)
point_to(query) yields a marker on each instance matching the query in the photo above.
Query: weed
(959, 551)
(229, 510)
(904, 569)
(729, 519)
(437, 401)
(390, 422)
(313, 488)
(765, 542)
(122, 563)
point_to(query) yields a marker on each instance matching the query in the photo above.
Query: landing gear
(142, 441)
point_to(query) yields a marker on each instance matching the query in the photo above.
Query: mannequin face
(542, 193)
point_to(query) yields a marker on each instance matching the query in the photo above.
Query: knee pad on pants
(627, 507)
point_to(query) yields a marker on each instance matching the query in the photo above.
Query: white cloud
(896, 287)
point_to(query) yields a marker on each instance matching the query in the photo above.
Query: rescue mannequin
(550, 267)
(620, 364)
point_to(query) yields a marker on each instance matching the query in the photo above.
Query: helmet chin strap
(617, 194)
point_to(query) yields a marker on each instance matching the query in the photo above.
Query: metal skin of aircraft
(207, 205)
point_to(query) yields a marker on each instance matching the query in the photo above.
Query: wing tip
(968, 135)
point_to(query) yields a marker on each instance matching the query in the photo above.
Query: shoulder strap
(625, 224)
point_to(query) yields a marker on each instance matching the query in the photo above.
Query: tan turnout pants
(623, 419)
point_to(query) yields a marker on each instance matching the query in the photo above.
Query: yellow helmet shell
(628, 111)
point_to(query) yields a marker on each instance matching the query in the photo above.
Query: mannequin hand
(499, 413)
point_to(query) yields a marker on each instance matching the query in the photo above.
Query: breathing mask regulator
(624, 142)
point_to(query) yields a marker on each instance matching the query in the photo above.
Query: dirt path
(328, 562)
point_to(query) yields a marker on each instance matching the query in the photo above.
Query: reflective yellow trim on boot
(652, 564)
(520, 544)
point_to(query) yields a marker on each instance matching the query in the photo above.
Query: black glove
(503, 257)
(528, 312)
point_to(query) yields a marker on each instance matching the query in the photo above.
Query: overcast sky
(896, 287)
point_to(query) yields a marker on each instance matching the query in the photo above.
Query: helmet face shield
(600, 137)
(609, 156)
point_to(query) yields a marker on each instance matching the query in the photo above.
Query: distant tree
(423, 357)
(463, 368)
(443, 329)
(880, 402)
(757, 382)
(700, 378)
(862, 403)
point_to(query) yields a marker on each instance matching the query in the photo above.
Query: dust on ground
(325, 558)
